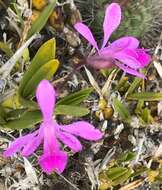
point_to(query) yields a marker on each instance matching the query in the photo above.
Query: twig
(93, 171)
(132, 185)
(106, 88)
(107, 158)
(3, 4)
(93, 82)
(158, 57)
(139, 149)
(90, 169)
(27, 25)
(158, 152)
(68, 182)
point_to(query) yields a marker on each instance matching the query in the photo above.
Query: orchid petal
(137, 58)
(129, 53)
(86, 33)
(17, 144)
(128, 57)
(82, 129)
(45, 94)
(143, 57)
(31, 146)
(33, 143)
(128, 42)
(130, 71)
(129, 61)
(111, 21)
(56, 161)
(71, 141)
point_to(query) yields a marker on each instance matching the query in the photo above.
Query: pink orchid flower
(51, 134)
(123, 53)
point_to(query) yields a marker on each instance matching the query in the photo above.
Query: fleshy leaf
(45, 54)
(44, 72)
(75, 98)
(145, 96)
(27, 120)
(118, 175)
(2, 115)
(76, 111)
(121, 110)
(135, 84)
(42, 19)
(125, 157)
(6, 48)
(12, 101)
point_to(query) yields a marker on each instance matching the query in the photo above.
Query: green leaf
(45, 72)
(145, 96)
(15, 114)
(5, 48)
(121, 110)
(27, 120)
(75, 98)
(2, 121)
(2, 115)
(18, 13)
(122, 82)
(121, 179)
(139, 106)
(45, 54)
(71, 110)
(11, 101)
(26, 55)
(23, 118)
(125, 157)
(134, 85)
(118, 175)
(159, 177)
(42, 19)
(28, 103)
(146, 116)
(139, 171)
(114, 173)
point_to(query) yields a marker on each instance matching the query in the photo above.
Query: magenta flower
(123, 52)
(51, 134)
